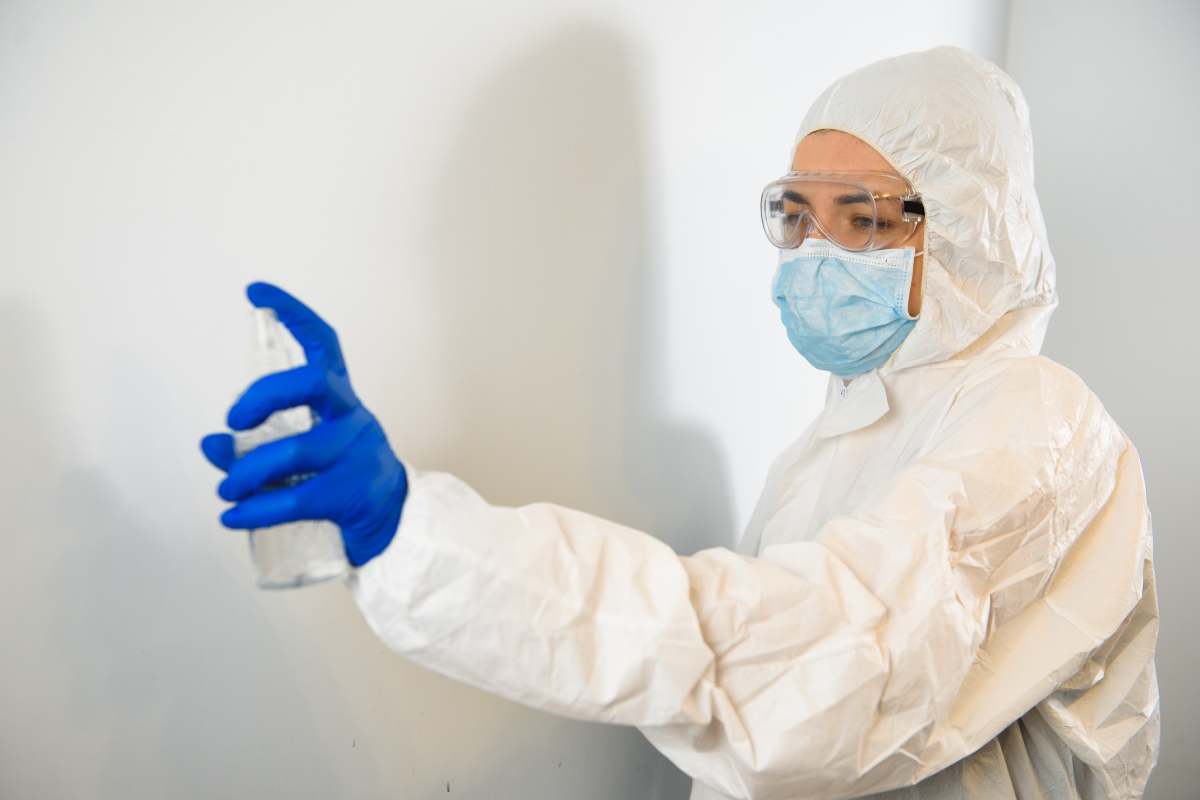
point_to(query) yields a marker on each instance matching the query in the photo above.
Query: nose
(811, 228)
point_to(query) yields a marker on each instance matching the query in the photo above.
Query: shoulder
(1032, 400)
(1031, 383)
(1027, 433)
(1028, 377)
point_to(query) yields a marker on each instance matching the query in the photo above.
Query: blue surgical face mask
(845, 312)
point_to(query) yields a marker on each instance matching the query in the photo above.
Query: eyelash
(881, 225)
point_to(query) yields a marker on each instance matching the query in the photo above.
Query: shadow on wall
(546, 288)
(141, 669)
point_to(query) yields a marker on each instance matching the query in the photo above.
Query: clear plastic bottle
(296, 553)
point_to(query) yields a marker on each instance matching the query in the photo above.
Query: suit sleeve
(902, 638)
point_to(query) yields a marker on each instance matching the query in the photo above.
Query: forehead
(837, 152)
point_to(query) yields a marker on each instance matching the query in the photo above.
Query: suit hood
(957, 127)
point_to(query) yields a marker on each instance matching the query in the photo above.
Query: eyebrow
(841, 200)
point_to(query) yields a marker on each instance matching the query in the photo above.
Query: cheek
(914, 295)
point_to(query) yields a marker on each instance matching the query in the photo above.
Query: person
(946, 589)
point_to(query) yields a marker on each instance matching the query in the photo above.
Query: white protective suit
(946, 589)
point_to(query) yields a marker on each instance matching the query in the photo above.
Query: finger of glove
(342, 492)
(311, 451)
(299, 386)
(314, 334)
(218, 449)
(266, 509)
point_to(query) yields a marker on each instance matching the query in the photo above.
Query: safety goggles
(855, 210)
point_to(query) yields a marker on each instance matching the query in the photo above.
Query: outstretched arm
(901, 639)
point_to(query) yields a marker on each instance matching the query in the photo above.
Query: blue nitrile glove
(359, 483)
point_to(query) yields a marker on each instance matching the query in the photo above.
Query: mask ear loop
(920, 287)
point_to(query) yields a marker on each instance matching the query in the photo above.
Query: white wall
(535, 227)
(1115, 114)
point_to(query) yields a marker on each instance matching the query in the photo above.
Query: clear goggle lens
(856, 211)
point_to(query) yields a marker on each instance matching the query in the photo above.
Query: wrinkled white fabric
(946, 589)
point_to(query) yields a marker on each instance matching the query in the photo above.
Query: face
(840, 152)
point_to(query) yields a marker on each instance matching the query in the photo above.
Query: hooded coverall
(946, 589)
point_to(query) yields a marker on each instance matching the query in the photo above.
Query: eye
(866, 223)
(790, 222)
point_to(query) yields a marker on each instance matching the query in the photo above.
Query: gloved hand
(359, 483)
